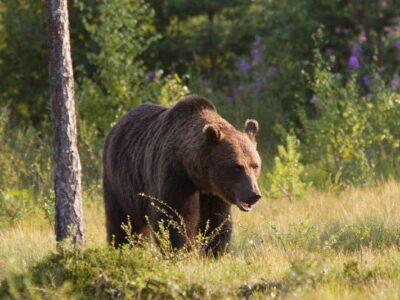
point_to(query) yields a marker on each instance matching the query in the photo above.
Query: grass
(329, 245)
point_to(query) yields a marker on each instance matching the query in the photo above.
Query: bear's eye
(254, 167)
(238, 168)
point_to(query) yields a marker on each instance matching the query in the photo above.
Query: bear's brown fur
(188, 157)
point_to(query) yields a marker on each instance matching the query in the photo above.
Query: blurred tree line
(115, 42)
(252, 58)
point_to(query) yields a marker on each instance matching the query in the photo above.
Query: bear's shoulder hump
(191, 104)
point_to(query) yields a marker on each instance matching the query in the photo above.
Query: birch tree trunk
(66, 163)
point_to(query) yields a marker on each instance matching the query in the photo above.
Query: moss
(103, 272)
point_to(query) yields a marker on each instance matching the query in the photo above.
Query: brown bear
(188, 157)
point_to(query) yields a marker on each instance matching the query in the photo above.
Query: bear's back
(126, 139)
(147, 137)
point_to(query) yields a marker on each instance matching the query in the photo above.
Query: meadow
(328, 245)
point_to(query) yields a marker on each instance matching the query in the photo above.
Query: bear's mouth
(243, 206)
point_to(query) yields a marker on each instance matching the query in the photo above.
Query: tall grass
(327, 245)
(26, 176)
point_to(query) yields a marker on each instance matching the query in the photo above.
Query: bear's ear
(251, 128)
(213, 133)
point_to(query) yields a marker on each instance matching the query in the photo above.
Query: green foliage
(165, 90)
(114, 80)
(25, 171)
(111, 45)
(26, 176)
(112, 83)
(270, 87)
(353, 135)
(103, 273)
(90, 145)
(23, 60)
(14, 204)
(199, 34)
(172, 90)
(285, 179)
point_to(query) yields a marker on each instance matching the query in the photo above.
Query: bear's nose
(254, 198)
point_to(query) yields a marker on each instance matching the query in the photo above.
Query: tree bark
(66, 162)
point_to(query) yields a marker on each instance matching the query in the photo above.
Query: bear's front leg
(179, 211)
(215, 223)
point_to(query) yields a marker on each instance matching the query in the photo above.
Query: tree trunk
(66, 163)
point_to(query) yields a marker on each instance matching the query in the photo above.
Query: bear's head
(233, 164)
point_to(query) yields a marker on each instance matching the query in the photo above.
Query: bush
(13, 205)
(353, 135)
(103, 273)
(172, 90)
(285, 179)
(113, 75)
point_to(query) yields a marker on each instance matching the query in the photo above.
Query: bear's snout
(253, 198)
(246, 203)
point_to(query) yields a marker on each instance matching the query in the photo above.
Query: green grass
(326, 246)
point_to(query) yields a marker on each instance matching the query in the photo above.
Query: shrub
(120, 31)
(13, 205)
(103, 273)
(172, 90)
(285, 179)
(353, 135)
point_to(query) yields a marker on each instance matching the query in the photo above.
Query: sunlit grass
(328, 245)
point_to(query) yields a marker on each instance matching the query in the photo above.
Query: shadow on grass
(305, 275)
(368, 233)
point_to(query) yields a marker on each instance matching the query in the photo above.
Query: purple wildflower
(353, 62)
(366, 80)
(244, 66)
(356, 50)
(241, 88)
(151, 75)
(397, 44)
(258, 85)
(256, 54)
(338, 29)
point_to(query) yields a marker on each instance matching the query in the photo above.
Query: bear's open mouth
(243, 206)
